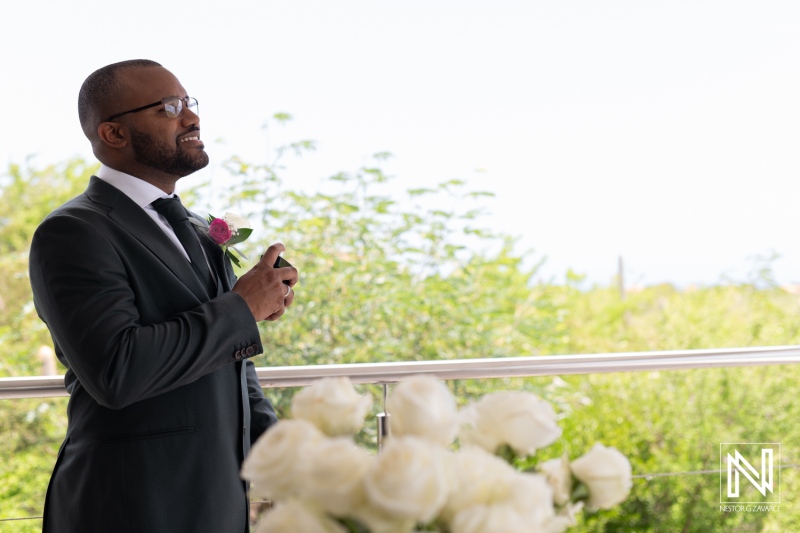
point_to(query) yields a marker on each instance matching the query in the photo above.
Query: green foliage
(32, 430)
(383, 283)
(664, 318)
(387, 279)
(673, 422)
(27, 196)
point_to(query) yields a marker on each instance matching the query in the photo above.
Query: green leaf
(579, 491)
(243, 234)
(507, 453)
(353, 525)
(341, 176)
(233, 258)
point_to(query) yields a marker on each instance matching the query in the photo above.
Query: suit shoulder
(80, 206)
(78, 216)
(99, 198)
(71, 203)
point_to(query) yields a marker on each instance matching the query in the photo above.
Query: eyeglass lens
(174, 106)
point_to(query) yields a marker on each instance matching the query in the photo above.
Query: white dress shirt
(143, 194)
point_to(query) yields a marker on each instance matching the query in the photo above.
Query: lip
(190, 138)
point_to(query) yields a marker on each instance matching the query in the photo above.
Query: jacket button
(250, 351)
(238, 354)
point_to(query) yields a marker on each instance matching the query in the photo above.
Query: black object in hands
(280, 263)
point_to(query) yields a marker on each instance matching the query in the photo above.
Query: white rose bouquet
(441, 469)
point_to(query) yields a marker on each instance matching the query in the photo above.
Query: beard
(171, 160)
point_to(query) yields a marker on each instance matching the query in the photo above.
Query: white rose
(378, 521)
(333, 405)
(408, 481)
(564, 519)
(237, 221)
(532, 495)
(559, 476)
(606, 474)
(522, 420)
(335, 473)
(476, 478)
(292, 516)
(490, 519)
(488, 495)
(272, 464)
(424, 407)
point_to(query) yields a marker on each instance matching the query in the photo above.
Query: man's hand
(267, 290)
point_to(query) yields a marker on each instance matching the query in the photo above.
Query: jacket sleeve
(92, 296)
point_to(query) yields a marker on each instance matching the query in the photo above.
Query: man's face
(170, 145)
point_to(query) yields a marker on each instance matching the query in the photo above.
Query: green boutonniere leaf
(242, 235)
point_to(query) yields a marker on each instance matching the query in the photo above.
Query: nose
(189, 117)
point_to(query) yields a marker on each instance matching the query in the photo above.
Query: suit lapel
(220, 265)
(216, 257)
(135, 221)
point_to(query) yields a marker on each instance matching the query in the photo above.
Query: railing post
(383, 420)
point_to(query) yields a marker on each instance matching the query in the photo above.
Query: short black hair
(99, 89)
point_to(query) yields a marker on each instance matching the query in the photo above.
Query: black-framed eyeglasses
(173, 105)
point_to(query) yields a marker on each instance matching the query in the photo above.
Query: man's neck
(165, 182)
(166, 185)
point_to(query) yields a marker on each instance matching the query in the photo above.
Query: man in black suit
(153, 327)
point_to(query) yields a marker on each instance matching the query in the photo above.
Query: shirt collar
(141, 192)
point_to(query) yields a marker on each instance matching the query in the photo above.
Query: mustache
(190, 130)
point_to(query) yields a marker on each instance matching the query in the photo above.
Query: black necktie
(173, 211)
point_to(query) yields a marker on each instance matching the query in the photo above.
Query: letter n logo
(747, 472)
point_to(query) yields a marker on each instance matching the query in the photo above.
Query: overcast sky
(665, 132)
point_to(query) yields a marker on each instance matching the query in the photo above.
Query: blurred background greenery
(419, 278)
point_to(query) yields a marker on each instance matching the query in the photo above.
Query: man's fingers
(288, 275)
(272, 253)
(276, 315)
(259, 286)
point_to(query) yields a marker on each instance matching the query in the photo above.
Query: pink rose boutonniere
(227, 231)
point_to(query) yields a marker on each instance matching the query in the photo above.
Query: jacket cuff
(248, 344)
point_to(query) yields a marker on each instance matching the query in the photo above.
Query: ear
(113, 134)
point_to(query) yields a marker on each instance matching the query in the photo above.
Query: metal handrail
(551, 365)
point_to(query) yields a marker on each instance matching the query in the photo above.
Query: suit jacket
(163, 402)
